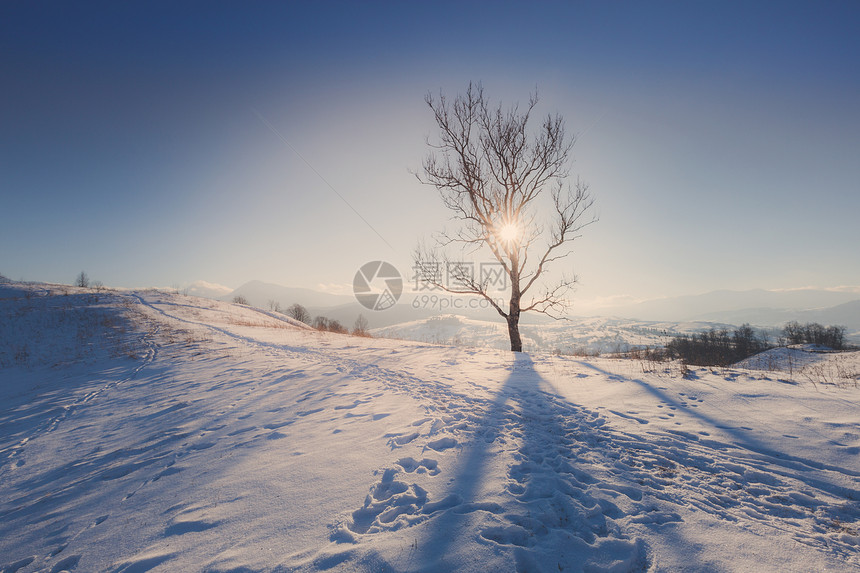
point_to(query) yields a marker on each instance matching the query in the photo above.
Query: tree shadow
(548, 511)
(743, 439)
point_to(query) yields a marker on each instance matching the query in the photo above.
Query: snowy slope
(577, 335)
(150, 431)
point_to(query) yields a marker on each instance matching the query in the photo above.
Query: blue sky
(719, 138)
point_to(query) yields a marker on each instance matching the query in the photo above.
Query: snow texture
(151, 431)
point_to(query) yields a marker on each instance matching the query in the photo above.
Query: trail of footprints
(552, 502)
(573, 477)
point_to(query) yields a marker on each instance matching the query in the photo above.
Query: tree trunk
(514, 311)
(514, 331)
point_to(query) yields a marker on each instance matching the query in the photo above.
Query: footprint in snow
(401, 439)
(20, 564)
(390, 505)
(350, 406)
(202, 445)
(629, 417)
(425, 465)
(442, 444)
(66, 564)
(309, 412)
(183, 527)
(242, 430)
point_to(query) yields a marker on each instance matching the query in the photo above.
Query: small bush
(300, 313)
(239, 299)
(329, 325)
(361, 326)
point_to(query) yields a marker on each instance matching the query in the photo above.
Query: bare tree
(240, 299)
(299, 313)
(82, 280)
(274, 305)
(361, 326)
(493, 173)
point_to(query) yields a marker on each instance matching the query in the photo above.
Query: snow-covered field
(150, 431)
(581, 336)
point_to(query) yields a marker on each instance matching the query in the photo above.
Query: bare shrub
(300, 313)
(361, 326)
(82, 280)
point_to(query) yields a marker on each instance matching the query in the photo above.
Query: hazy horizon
(156, 144)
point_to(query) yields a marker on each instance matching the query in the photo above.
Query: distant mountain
(847, 315)
(207, 290)
(759, 306)
(260, 293)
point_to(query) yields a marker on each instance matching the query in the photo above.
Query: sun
(508, 233)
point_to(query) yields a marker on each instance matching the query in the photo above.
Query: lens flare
(509, 233)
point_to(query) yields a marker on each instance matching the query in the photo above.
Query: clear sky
(721, 139)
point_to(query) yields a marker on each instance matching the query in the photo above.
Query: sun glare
(509, 233)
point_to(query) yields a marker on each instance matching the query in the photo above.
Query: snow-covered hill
(148, 431)
(577, 335)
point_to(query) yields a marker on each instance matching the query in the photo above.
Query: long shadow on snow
(787, 465)
(547, 517)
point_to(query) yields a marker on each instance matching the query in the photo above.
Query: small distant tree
(274, 305)
(239, 299)
(82, 280)
(793, 333)
(336, 326)
(320, 323)
(361, 326)
(746, 342)
(299, 313)
(836, 337)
